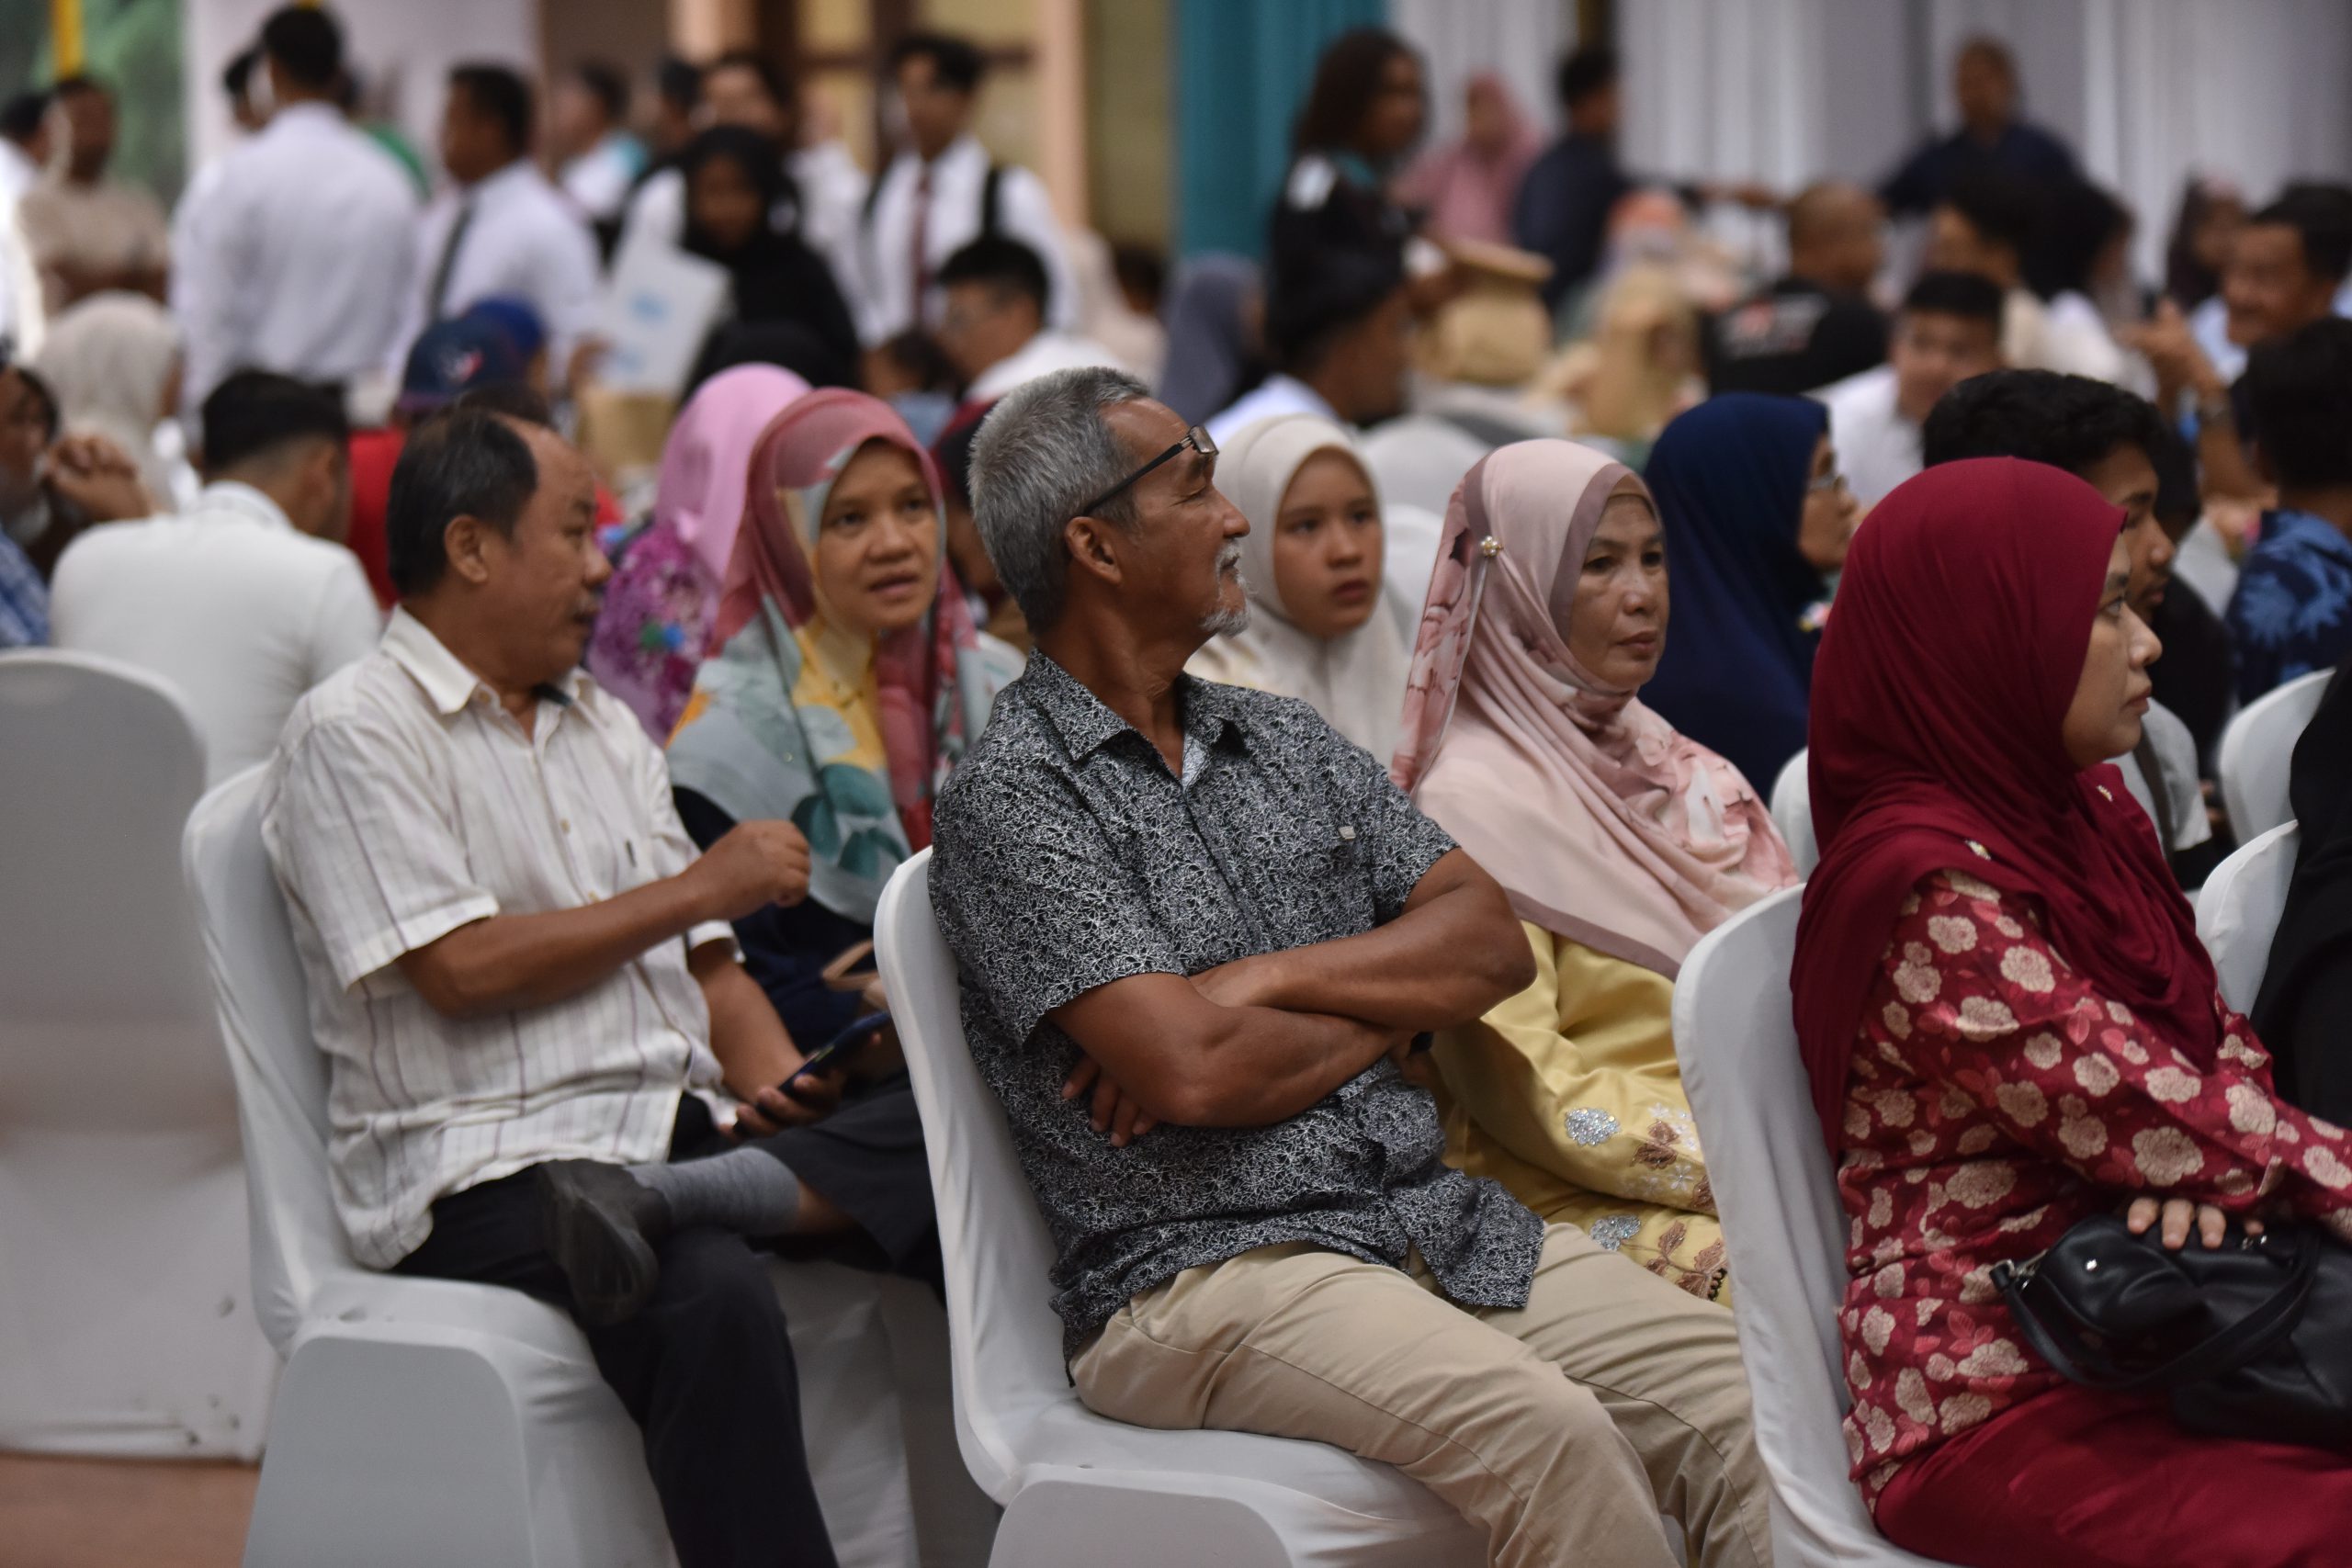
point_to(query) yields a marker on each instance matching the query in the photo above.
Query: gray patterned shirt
(1066, 856)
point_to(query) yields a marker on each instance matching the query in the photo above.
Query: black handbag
(2250, 1339)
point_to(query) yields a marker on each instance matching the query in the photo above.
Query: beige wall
(1129, 133)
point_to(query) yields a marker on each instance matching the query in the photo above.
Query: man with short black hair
(1817, 324)
(2292, 611)
(502, 228)
(940, 193)
(2110, 439)
(297, 248)
(1986, 224)
(1949, 328)
(90, 231)
(530, 1000)
(1339, 339)
(598, 161)
(1562, 206)
(1993, 137)
(993, 330)
(248, 599)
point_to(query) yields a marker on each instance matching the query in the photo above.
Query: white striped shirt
(405, 802)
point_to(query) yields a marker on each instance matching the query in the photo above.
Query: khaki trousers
(1563, 1429)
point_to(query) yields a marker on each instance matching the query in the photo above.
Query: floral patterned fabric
(1994, 1098)
(1568, 1095)
(655, 624)
(2292, 610)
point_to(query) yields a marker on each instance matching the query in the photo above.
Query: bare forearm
(521, 961)
(1266, 1064)
(1442, 962)
(753, 1048)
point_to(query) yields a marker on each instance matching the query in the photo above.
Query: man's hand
(1114, 1111)
(98, 478)
(2172, 351)
(2177, 1213)
(752, 865)
(813, 1097)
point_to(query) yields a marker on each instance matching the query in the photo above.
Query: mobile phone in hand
(859, 1032)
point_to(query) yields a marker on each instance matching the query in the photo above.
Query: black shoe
(602, 1223)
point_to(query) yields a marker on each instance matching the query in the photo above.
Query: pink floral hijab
(1603, 824)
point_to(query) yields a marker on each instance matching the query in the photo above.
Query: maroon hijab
(1938, 698)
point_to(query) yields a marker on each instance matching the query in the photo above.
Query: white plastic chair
(1079, 1489)
(1735, 1036)
(1792, 813)
(2257, 752)
(432, 1421)
(2238, 910)
(124, 1323)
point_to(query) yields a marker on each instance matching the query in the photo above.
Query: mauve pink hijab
(1602, 823)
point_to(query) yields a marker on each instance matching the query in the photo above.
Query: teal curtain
(1242, 70)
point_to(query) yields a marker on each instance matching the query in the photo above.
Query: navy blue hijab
(1730, 480)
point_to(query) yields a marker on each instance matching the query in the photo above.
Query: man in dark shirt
(1564, 203)
(1991, 138)
(1199, 933)
(1817, 325)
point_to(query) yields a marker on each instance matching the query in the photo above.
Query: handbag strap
(2227, 1349)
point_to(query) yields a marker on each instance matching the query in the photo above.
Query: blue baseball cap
(451, 359)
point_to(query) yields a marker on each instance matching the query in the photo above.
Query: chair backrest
(1419, 458)
(103, 1003)
(2257, 753)
(281, 1076)
(1003, 1338)
(1792, 813)
(1737, 1041)
(2238, 910)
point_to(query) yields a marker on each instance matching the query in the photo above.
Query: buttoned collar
(447, 683)
(1085, 722)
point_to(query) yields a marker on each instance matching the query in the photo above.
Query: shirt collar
(308, 111)
(1085, 722)
(447, 683)
(1292, 387)
(519, 172)
(234, 495)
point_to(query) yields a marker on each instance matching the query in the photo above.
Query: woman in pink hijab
(1467, 186)
(662, 601)
(1620, 841)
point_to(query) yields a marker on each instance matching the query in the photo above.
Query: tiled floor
(88, 1513)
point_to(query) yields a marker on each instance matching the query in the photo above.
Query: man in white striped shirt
(525, 982)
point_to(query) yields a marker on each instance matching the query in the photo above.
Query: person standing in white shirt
(1949, 330)
(598, 161)
(24, 151)
(993, 330)
(940, 194)
(503, 228)
(1340, 338)
(302, 247)
(248, 599)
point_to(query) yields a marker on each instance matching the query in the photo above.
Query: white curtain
(2147, 92)
(1521, 39)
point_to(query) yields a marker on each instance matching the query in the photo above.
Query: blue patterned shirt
(23, 599)
(2292, 612)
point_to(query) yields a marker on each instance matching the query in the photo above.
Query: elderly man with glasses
(1200, 936)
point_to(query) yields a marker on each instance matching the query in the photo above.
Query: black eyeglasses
(1195, 439)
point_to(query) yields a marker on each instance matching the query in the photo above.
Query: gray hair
(1043, 453)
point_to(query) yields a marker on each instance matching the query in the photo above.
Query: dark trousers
(706, 1371)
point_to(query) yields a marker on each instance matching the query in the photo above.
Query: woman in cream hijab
(1620, 842)
(1324, 626)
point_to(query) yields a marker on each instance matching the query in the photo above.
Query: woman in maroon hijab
(2010, 1025)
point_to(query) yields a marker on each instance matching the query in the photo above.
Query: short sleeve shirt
(2292, 610)
(1067, 856)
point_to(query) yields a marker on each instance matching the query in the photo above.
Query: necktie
(438, 296)
(921, 252)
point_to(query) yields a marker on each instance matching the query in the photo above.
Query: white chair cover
(1792, 813)
(2238, 910)
(1737, 1041)
(433, 1421)
(1077, 1489)
(2257, 752)
(124, 1323)
(1419, 458)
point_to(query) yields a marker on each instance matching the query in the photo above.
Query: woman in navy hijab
(1757, 521)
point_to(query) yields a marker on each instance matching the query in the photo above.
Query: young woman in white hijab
(1325, 627)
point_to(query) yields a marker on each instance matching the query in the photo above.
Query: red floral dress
(1995, 1099)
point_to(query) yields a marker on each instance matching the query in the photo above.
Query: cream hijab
(1603, 824)
(1356, 682)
